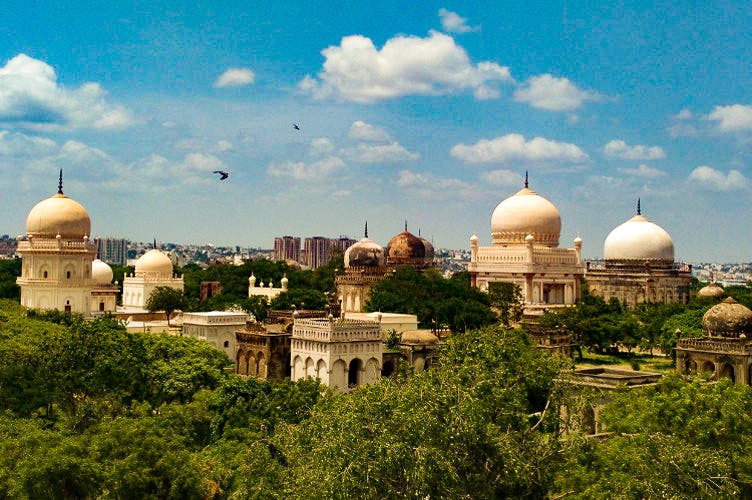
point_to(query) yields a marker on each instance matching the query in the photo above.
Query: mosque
(59, 269)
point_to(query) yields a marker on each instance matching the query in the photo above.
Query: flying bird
(295, 126)
(222, 174)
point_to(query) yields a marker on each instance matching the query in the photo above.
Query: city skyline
(429, 113)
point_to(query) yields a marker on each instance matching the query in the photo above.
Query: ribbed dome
(639, 239)
(58, 215)
(364, 253)
(405, 248)
(525, 212)
(154, 262)
(101, 272)
(727, 319)
(711, 291)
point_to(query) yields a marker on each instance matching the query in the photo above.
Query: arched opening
(353, 372)
(708, 366)
(387, 369)
(226, 344)
(727, 371)
(67, 275)
(67, 306)
(101, 306)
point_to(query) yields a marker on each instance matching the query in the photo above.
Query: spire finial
(405, 224)
(366, 233)
(525, 178)
(155, 244)
(638, 207)
(60, 183)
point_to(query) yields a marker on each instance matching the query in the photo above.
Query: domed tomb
(428, 248)
(405, 248)
(154, 263)
(58, 215)
(364, 253)
(639, 239)
(525, 213)
(101, 272)
(711, 291)
(727, 319)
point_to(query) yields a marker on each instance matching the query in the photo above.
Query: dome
(428, 246)
(526, 212)
(58, 215)
(418, 337)
(710, 291)
(364, 253)
(154, 262)
(101, 272)
(639, 239)
(727, 319)
(405, 248)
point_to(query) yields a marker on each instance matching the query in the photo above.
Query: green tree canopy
(167, 299)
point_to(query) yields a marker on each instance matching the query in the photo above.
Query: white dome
(154, 262)
(524, 213)
(58, 215)
(639, 239)
(364, 253)
(101, 272)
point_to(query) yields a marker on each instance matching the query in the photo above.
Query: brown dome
(405, 248)
(429, 250)
(727, 319)
(418, 337)
(711, 291)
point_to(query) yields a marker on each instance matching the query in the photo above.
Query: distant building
(210, 289)
(113, 250)
(104, 292)
(318, 251)
(215, 327)
(287, 248)
(152, 270)
(268, 291)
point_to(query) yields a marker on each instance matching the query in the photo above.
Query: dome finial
(405, 224)
(366, 232)
(525, 178)
(60, 183)
(155, 244)
(639, 212)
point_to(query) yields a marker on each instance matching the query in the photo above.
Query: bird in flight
(222, 174)
(295, 126)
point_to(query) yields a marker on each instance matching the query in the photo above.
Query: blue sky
(429, 113)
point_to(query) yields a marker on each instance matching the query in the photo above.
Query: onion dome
(525, 212)
(418, 337)
(58, 215)
(101, 272)
(405, 248)
(154, 263)
(711, 291)
(727, 319)
(639, 239)
(364, 253)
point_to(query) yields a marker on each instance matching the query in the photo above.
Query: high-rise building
(113, 250)
(317, 251)
(287, 248)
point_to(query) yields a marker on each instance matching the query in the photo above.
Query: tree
(164, 298)
(507, 299)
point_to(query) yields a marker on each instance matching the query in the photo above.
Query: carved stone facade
(343, 354)
(263, 351)
(633, 282)
(215, 327)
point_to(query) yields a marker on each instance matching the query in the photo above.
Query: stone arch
(708, 366)
(252, 366)
(261, 368)
(298, 369)
(321, 372)
(338, 377)
(44, 271)
(387, 368)
(372, 371)
(309, 368)
(727, 371)
(354, 377)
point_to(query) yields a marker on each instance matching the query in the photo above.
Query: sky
(425, 112)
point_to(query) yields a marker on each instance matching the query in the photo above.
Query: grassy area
(641, 361)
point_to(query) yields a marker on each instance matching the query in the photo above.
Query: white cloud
(235, 77)
(553, 94)
(18, 144)
(307, 171)
(644, 171)
(717, 180)
(406, 65)
(431, 187)
(453, 23)
(321, 146)
(513, 147)
(367, 132)
(734, 118)
(622, 150)
(684, 114)
(30, 97)
(379, 153)
(501, 177)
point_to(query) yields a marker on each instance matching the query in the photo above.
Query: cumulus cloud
(644, 171)
(734, 118)
(431, 187)
(514, 147)
(307, 171)
(453, 23)
(366, 132)
(320, 146)
(235, 77)
(18, 144)
(684, 114)
(500, 177)
(30, 97)
(553, 94)
(622, 150)
(379, 153)
(406, 65)
(717, 180)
